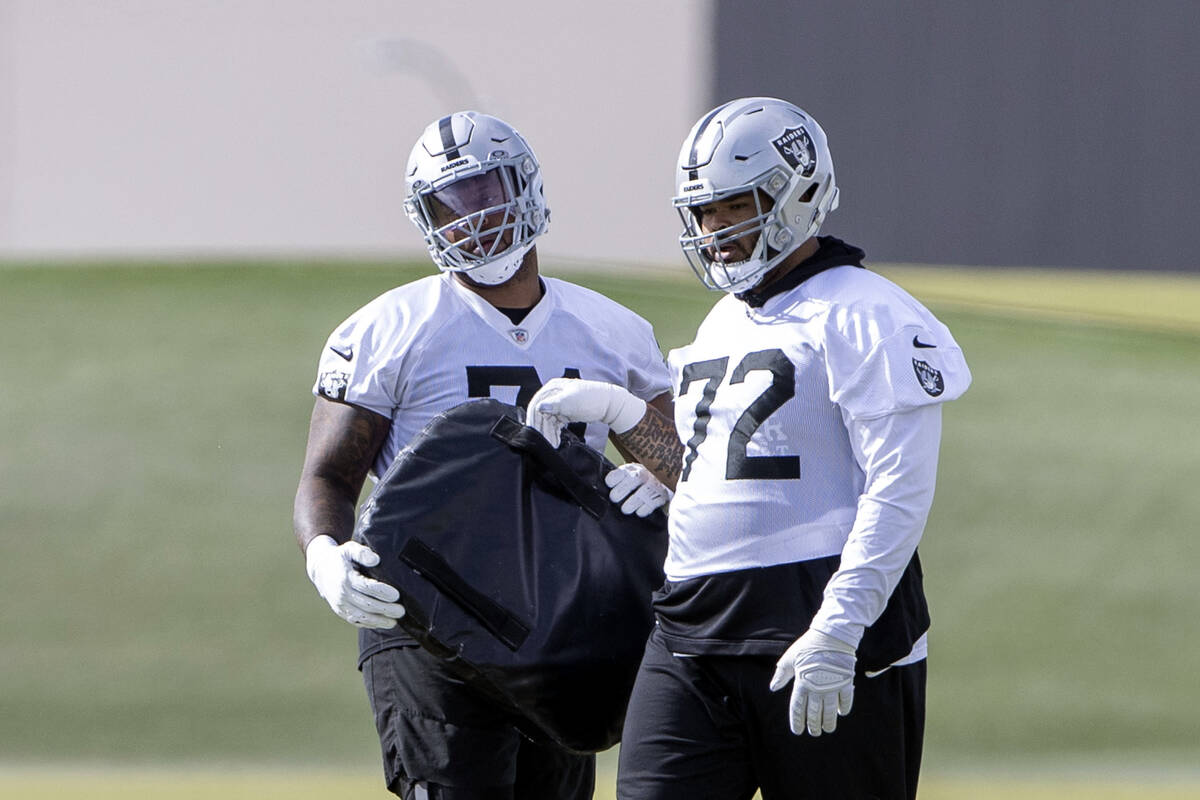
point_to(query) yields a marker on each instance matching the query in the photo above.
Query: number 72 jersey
(764, 401)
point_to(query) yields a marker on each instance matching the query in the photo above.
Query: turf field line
(244, 783)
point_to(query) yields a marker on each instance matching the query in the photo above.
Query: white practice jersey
(763, 401)
(432, 344)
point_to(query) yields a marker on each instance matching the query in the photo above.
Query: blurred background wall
(1020, 133)
(268, 127)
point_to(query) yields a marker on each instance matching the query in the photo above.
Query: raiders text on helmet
(474, 189)
(765, 147)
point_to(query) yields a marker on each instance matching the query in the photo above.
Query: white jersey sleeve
(898, 454)
(885, 353)
(364, 357)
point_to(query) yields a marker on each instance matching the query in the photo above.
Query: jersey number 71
(480, 381)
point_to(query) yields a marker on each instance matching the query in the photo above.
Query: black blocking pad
(516, 569)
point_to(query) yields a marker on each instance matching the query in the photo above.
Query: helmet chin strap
(757, 267)
(496, 272)
(738, 283)
(749, 271)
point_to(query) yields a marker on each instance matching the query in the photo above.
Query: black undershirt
(761, 610)
(515, 314)
(831, 252)
(518, 314)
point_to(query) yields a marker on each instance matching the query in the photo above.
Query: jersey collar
(520, 335)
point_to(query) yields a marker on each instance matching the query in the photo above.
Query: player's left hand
(565, 400)
(636, 488)
(823, 670)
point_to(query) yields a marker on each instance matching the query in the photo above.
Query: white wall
(202, 127)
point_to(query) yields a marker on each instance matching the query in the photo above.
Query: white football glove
(823, 668)
(565, 400)
(638, 488)
(354, 597)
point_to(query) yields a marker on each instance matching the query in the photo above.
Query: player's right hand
(354, 597)
(565, 400)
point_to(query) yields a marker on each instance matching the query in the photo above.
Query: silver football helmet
(775, 152)
(474, 189)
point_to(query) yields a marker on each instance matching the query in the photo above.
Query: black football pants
(441, 740)
(708, 728)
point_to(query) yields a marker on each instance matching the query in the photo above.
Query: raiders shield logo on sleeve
(333, 384)
(930, 378)
(796, 147)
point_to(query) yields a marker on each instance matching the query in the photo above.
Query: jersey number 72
(739, 465)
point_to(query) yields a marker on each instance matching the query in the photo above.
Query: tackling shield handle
(498, 620)
(553, 466)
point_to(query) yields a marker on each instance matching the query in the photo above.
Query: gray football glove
(823, 670)
(636, 488)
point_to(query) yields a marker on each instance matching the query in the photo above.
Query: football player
(803, 454)
(488, 325)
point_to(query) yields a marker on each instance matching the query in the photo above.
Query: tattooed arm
(653, 442)
(343, 441)
(641, 430)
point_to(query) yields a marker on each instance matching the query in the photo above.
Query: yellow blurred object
(1150, 300)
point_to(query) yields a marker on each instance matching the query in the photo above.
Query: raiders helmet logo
(797, 148)
(930, 378)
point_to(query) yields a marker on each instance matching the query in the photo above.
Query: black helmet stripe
(700, 134)
(447, 132)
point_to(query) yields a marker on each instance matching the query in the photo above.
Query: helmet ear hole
(780, 238)
(808, 193)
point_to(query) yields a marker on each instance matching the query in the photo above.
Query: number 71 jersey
(763, 401)
(430, 345)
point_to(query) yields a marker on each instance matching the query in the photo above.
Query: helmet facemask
(763, 241)
(479, 207)
(480, 224)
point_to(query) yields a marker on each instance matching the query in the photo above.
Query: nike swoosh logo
(918, 343)
(345, 352)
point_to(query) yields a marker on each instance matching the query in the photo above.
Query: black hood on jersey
(832, 252)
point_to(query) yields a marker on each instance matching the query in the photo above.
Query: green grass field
(158, 637)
